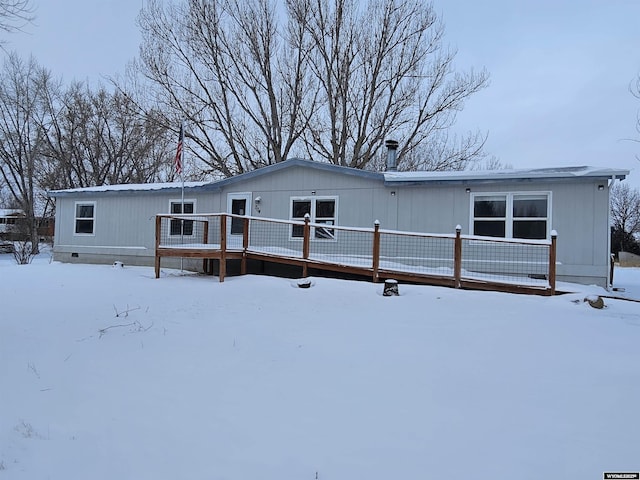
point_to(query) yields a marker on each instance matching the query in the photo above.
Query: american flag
(178, 160)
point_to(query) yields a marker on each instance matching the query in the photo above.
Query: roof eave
(506, 178)
(219, 184)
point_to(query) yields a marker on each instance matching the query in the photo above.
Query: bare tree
(225, 68)
(625, 216)
(22, 113)
(342, 78)
(384, 72)
(98, 137)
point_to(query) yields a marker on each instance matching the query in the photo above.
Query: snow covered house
(116, 223)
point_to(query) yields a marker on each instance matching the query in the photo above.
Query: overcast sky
(560, 69)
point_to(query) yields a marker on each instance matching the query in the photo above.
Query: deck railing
(461, 261)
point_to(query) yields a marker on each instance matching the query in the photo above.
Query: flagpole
(180, 170)
(182, 189)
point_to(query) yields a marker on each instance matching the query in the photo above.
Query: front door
(237, 204)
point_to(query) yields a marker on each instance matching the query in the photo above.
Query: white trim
(313, 199)
(248, 198)
(509, 218)
(180, 201)
(609, 224)
(91, 247)
(186, 200)
(76, 218)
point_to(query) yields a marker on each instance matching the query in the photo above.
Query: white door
(237, 204)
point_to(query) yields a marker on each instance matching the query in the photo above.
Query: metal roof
(558, 173)
(215, 184)
(389, 178)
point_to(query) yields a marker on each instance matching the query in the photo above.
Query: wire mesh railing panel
(483, 259)
(274, 238)
(180, 232)
(519, 263)
(214, 230)
(341, 246)
(426, 255)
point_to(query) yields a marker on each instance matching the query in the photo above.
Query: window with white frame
(511, 215)
(85, 216)
(321, 210)
(178, 226)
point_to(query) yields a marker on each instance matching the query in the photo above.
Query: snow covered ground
(108, 373)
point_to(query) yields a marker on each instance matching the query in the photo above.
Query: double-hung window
(511, 215)
(85, 218)
(178, 226)
(321, 210)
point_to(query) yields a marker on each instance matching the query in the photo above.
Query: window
(238, 207)
(511, 215)
(490, 216)
(321, 210)
(85, 218)
(530, 216)
(181, 227)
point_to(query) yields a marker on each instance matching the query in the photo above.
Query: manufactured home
(119, 222)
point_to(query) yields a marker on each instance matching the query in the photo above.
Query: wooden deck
(371, 265)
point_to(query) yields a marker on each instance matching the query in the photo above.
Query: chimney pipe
(392, 146)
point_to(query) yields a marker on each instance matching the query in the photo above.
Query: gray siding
(124, 223)
(124, 226)
(356, 203)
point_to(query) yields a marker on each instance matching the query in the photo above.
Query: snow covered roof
(389, 178)
(131, 187)
(11, 212)
(510, 174)
(217, 184)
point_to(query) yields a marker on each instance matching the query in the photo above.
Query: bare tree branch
(224, 66)
(331, 80)
(15, 15)
(383, 71)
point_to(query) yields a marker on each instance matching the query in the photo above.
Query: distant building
(10, 218)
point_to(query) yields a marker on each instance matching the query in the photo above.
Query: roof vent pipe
(392, 164)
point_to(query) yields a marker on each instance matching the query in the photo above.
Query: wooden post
(612, 264)
(552, 263)
(245, 246)
(305, 244)
(205, 240)
(223, 247)
(457, 258)
(158, 232)
(376, 250)
(390, 288)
